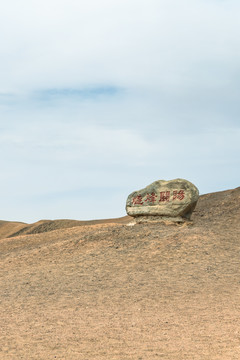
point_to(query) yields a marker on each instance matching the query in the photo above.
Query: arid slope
(107, 290)
(13, 229)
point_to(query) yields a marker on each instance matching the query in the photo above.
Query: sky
(101, 98)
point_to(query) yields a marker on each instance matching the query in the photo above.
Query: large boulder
(170, 200)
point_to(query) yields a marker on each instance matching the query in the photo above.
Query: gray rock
(174, 200)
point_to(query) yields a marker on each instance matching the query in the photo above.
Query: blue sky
(98, 99)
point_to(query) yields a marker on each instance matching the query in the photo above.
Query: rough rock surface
(163, 200)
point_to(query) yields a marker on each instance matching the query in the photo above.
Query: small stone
(172, 200)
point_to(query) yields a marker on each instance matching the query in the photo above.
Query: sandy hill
(106, 290)
(13, 229)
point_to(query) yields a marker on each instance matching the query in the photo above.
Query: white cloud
(129, 43)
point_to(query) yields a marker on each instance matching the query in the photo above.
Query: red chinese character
(178, 195)
(164, 196)
(137, 200)
(151, 198)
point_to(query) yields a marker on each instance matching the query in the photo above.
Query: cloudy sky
(99, 98)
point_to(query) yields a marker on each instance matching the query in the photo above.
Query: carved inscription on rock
(154, 198)
(174, 198)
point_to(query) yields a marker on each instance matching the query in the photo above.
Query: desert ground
(107, 290)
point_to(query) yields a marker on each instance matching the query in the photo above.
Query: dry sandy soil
(106, 290)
